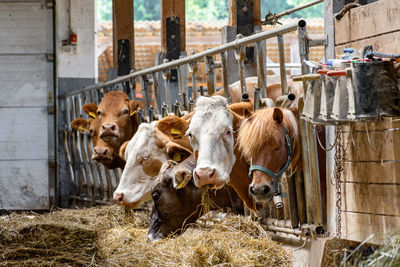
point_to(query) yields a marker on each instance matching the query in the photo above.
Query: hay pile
(104, 236)
(387, 255)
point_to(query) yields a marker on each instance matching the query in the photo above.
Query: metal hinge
(50, 4)
(50, 57)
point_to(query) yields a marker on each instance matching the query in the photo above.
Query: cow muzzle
(207, 176)
(102, 155)
(120, 199)
(109, 131)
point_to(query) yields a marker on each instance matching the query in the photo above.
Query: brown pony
(269, 139)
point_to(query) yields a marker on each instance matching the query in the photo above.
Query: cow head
(211, 134)
(174, 208)
(102, 152)
(144, 155)
(118, 118)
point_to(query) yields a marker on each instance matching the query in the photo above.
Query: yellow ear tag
(92, 114)
(177, 157)
(175, 131)
(133, 113)
(180, 185)
(82, 129)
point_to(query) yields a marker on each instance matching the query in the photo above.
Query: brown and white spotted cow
(110, 123)
(144, 155)
(178, 202)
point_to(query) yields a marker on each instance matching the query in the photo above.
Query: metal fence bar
(282, 68)
(290, 27)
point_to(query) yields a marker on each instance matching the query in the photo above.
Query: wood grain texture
(386, 43)
(232, 12)
(372, 172)
(377, 146)
(123, 27)
(372, 198)
(358, 227)
(370, 20)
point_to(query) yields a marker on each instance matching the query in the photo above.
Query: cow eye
(228, 133)
(155, 195)
(143, 159)
(125, 111)
(277, 148)
(99, 112)
(190, 135)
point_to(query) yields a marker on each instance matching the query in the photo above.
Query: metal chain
(337, 177)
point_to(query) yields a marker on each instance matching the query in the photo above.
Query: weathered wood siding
(371, 174)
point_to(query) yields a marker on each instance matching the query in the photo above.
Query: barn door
(26, 101)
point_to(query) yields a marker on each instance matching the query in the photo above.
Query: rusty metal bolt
(245, 9)
(172, 37)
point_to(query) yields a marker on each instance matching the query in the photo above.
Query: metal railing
(93, 183)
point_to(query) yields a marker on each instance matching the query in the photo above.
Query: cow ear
(278, 115)
(80, 124)
(90, 109)
(236, 121)
(173, 126)
(176, 152)
(122, 150)
(247, 113)
(133, 107)
(182, 178)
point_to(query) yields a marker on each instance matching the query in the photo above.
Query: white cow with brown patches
(144, 155)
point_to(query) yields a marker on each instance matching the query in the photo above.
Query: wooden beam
(366, 21)
(123, 28)
(232, 12)
(171, 8)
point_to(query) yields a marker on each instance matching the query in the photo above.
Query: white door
(26, 92)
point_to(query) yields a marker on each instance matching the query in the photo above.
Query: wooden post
(123, 29)
(233, 11)
(174, 8)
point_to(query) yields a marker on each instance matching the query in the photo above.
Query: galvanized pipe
(225, 85)
(164, 110)
(282, 67)
(155, 93)
(290, 27)
(257, 98)
(274, 17)
(210, 75)
(262, 78)
(191, 105)
(182, 84)
(145, 94)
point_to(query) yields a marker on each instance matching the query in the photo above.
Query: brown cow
(111, 123)
(176, 208)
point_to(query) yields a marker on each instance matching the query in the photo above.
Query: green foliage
(209, 10)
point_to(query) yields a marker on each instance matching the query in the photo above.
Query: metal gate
(92, 183)
(26, 105)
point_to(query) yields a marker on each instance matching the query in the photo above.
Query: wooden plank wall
(371, 175)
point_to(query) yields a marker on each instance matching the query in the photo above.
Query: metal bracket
(50, 57)
(123, 57)
(49, 4)
(245, 26)
(173, 39)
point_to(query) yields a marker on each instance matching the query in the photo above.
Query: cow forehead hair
(142, 138)
(211, 103)
(212, 110)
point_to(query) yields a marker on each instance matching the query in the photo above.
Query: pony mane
(260, 129)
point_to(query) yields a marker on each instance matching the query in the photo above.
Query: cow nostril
(113, 128)
(196, 176)
(252, 190)
(119, 198)
(105, 152)
(102, 127)
(212, 173)
(266, 190)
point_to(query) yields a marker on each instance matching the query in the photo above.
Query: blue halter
(275, 176)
